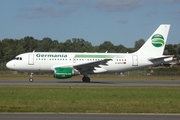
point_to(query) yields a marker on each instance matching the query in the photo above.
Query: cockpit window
(18, 58)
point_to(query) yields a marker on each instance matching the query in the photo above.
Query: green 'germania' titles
(52, 55)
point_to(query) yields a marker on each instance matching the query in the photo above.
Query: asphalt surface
(149, 83)
(88, 117)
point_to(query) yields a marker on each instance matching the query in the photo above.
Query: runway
(112, 83)
(50, 116)
(93, 83)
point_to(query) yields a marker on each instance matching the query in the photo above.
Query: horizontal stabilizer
(161, 59)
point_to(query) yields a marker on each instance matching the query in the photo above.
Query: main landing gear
(31, 77)
(86, 79)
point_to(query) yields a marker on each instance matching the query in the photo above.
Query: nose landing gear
(31, 77)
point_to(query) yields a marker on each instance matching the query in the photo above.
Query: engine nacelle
(63, 73)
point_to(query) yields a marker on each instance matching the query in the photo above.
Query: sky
(118, 21)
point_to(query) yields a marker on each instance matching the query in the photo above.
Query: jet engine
(62, 73)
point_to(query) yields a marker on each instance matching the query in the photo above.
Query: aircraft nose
(9, 65)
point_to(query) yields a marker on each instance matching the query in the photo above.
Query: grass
(90, 99)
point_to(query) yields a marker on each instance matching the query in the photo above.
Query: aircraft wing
(90, 66)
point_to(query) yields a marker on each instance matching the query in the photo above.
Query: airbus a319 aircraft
(68, 64)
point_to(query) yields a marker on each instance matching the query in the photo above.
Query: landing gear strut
(31, 77)
(86, 79)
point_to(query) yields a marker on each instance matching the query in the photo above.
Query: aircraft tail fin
(156, 42)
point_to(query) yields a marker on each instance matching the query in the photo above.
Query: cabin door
(31, 59)
(134, 60)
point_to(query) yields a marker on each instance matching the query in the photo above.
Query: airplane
(67, 64)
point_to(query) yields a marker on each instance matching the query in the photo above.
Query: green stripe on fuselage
(97, 56)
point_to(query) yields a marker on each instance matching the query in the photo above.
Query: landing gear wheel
(30, 79)
(86, 79)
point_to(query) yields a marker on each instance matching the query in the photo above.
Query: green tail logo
(157, 40)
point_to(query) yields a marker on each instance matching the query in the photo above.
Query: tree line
(9, 48)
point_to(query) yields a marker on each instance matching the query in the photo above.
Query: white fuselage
(47, 61)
